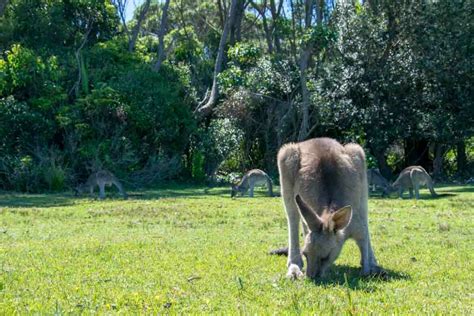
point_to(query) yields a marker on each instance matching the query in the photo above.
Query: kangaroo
(375, 178)
(411, 178)
(250, 180)
(101, 179)
(327, 183)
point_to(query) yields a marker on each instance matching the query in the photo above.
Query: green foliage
(22, 127)
(56, 25)
(126, 114)
(244, 54)
(381, 73)
(221, 142)
(197, 168)
(319, 37)
(29, 76)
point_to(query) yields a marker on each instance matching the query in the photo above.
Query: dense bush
(128, 118)
(75, 96)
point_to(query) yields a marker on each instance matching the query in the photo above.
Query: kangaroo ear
(342, 217)
(309, 216)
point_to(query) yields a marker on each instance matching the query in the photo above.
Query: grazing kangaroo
(375, 178)
(327, 182)
(412, 178)
(250, 180)
(101, 179)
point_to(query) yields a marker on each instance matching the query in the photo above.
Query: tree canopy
(201, 89)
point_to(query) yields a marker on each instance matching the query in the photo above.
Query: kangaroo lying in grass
(327, 183)
(251, 179)
(412, 178)
(100, 179)
(375, 178)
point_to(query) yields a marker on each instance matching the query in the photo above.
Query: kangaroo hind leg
(101, 190)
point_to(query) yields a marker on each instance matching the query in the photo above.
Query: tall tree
(236, 27)
(132, 36)
(3, 5)
(305, 56)
(205, 109)
(136, 29)
(261, 9)
(161, 36)
(275, 10)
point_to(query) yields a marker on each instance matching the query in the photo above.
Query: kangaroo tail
(431, 188)
(280, 251)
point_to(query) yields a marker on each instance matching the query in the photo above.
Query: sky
(131, 5)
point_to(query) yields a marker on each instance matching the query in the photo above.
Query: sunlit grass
(191, 249)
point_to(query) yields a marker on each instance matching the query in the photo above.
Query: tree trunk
(274, 29)
(417, 153)
(268, 35)
(221, 13)
(439, 150)
(206, 109)
(161, 36)
(304, 62)
(382, 163)
(266, 29)
(136, 29)
(292, 38)
(235, 30)
(120, 5)
(304, 127)
(3, 6)
(461, 159)
(320, 12)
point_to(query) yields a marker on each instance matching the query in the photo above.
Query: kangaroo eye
(325, 259)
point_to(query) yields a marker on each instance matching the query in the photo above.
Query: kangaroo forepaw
(294, 272)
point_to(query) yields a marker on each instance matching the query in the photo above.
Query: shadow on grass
(36, 200)
(355, 281)
(423, 196)
(22, 200)
(444, 191)
(182, 191)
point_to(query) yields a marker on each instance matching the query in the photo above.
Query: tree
(3, 5)
(136, 29)
(161, 36)
(205, 109)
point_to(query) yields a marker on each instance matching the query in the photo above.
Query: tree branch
(75, 87)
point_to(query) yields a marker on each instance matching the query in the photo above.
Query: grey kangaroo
(100, 179)
(251, 179)
(375, 179)
(412, 178)
(325, 184)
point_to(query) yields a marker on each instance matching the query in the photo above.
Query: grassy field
(189, 249)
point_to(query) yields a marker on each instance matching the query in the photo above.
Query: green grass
(187, 249)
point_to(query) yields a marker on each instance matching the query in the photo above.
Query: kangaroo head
(324, 241)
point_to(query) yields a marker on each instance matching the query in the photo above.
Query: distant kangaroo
(325, 184)
(412, 178)
(250, 180)
(100, 179)
(375, 178)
